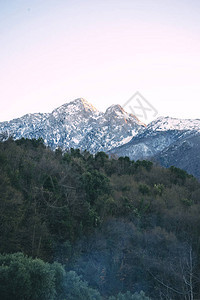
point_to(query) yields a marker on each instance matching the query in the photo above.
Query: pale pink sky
(104, 51)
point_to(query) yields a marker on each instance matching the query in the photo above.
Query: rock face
(169, 141)
(77, 124)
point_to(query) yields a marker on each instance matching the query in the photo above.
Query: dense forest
(77, 226)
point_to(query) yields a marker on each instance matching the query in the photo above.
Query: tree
(95, 184)
(129, 296)
(100, 159)
(77, 289)
(24, 278)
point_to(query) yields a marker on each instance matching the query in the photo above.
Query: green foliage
(77, 289)
(35, 143)
(67, 157)
(129, 296)
(95, 184)
(122, 225)
(25, 278)
(158, 189)
(145, 164)
(75, 152)
(144, 189)
(178, 175)
(100, 159)
(186, 202)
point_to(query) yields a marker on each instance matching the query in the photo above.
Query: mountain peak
(84, 104)
(76, 106)
(77, 124)
(117, 110)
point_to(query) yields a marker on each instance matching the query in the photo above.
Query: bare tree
(187, 277)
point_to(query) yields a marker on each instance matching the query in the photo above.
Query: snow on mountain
(158, 135)
(165, 140)
(78, 106)
(167, 123)
(77, 124)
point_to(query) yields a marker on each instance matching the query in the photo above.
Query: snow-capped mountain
(170, 141)
(77, 124)
(158, 135)
(167, 123)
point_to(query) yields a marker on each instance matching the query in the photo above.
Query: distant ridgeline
(116, 228)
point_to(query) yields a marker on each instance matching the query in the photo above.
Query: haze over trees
(94, 227)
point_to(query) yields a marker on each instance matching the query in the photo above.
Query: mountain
(184, 154)
(77, 124)
(169, 141)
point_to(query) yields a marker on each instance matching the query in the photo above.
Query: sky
(54, 51)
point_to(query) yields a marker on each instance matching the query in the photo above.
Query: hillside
(121, 225)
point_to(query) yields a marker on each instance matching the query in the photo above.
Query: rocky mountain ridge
(77, 124)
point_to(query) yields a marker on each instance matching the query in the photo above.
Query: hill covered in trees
(95, 227)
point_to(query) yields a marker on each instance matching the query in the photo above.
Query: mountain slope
(167, 140)
(77, 124)
(184, 154)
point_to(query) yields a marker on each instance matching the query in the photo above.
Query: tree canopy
(115, 226)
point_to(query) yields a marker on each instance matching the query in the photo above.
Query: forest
(80, 226)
